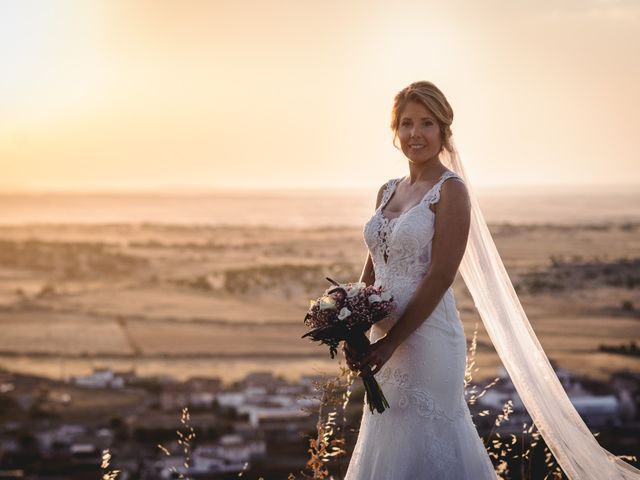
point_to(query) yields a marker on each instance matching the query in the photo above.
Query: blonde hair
(433, 99)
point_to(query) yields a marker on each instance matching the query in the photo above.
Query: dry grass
(328, 448)
(107, 474)
(185, 439)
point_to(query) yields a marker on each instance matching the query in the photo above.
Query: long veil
(565, 433)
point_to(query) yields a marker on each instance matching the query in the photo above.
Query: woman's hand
(377, 355)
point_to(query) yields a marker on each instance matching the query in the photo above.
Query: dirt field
(188, 301)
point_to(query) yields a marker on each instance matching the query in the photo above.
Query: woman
(416, 240)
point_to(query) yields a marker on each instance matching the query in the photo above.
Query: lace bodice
(400, 247)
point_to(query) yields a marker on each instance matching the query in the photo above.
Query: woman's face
(419, 133)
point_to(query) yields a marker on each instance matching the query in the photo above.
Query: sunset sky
(297, 94)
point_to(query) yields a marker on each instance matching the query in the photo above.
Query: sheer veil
(564, 431)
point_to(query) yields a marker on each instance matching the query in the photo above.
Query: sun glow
(52, 61)
(240, 95)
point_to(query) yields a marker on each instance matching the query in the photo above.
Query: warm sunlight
(215, 264)
(53, 64)
(110, 95)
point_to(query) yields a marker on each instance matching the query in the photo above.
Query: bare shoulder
(454, 192)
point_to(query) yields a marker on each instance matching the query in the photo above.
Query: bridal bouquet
(344, 313)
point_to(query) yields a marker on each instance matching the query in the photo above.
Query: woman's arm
(368, 276)
(453, 216)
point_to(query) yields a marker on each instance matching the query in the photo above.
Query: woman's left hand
(377, 355)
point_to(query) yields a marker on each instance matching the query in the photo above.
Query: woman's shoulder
(452, 187)
(451, 181)
(447, 174)
(384, 188)
(390, 182)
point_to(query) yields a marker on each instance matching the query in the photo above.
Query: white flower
(355, 288)
(344, 313)
(374, 298)
(385, 296)
(327, 303)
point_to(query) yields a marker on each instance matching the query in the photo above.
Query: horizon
(170, 189)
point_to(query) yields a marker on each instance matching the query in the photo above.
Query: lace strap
(433, 195)
(389, 188)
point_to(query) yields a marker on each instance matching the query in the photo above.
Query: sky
(142, 94)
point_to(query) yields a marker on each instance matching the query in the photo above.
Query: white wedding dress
(428, 432)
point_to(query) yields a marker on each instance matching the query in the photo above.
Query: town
(258, 426)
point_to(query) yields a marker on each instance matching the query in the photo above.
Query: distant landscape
(189, 298)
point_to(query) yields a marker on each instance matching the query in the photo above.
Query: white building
(232, 449)
(100, 378)
(65, 434)
(259, 414)
(595, 410)
(230, 399)
(598, 411)
(230, 455)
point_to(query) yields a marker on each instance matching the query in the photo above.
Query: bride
(416, 239)
(427, 225)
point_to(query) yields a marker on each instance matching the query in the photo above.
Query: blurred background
(179, 177)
